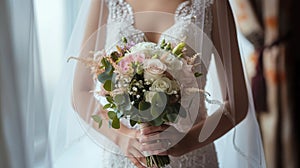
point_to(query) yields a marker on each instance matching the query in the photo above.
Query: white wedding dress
(86, 152)
(78, 145)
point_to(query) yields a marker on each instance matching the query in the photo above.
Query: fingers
(154, 129)
(154, 138)
(136, 157)
(139, 156)
(136, 162)
(154, 146)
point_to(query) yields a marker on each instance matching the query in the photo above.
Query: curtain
(23, 113)
(71, 10)
(265, 24)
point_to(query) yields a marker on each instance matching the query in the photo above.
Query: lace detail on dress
(198, 12)
(206, 3)
(120, 24)
(202, 10)
(183, 12)
(119, 11)
(200, 158)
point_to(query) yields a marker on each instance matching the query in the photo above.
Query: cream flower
(186, 76)
(163, 84)
(173, 63)
(145, 47)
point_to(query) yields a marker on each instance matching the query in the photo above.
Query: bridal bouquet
(143, 83)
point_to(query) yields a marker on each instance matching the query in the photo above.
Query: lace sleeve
(203, 11)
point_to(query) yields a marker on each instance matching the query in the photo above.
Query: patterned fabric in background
(258, 21)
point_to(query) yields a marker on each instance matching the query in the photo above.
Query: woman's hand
(126, 139)
(162, 140)
(131, 147)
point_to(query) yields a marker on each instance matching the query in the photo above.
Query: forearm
(115, 135)
(191, 140)
(86, 105)
(210, 129)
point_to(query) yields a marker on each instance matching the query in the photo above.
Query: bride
(217, 134)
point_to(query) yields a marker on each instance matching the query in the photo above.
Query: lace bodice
(120, 22)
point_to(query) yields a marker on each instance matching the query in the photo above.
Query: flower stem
(157, 161)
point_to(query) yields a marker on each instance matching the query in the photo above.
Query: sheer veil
(62, 118)
(70, 122)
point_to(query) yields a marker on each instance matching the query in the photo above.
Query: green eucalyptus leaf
(157, 122)
(144, 105)
(104, 77)
(116, 123)
(155, 111)
(108, 73)
(159, 99)
(119, 99)
(113, 106)
(112, 115)
(107, 106)
(165, 118)
(104, 62)
(125, 107)
(110, 70)
(110, 99)
(171, 117)
(96, 118)
(100, 124)
(133, 122)
(108, 85)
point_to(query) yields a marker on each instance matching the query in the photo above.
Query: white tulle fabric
(76, 144)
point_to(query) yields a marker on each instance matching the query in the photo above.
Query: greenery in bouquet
(143, 83)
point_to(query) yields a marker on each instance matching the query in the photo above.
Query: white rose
(154, 69)
(174, 64)
(144, 47)
(163, 84)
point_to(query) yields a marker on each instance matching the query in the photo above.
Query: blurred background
(267, 33)
(271, 28)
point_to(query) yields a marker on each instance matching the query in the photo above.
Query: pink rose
(154, 68)
(126, 62)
